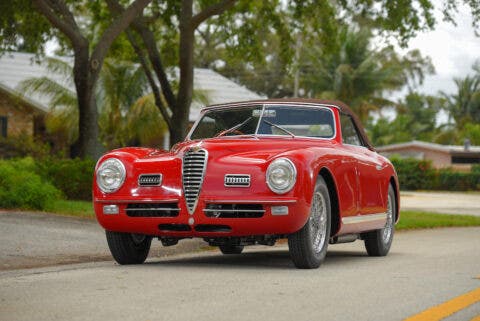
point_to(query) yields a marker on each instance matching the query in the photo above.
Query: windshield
(281, 120)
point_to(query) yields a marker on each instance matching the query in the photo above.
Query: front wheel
(128, 248)
(308, 246)
(378, 242)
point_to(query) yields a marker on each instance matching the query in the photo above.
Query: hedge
(74, 177)
(416, 174)
(22, 187)
(53, 178)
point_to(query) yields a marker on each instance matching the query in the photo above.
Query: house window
(465, 159)
(3, 126)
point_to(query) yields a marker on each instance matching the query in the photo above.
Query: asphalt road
(36, 239)
(424, 269)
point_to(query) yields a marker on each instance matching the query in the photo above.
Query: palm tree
(127, 113)
(62, 120)
(359, 74)
(120, 85)
(464, 105)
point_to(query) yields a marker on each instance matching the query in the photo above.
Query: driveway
(441, 202)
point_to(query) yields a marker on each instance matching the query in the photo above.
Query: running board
(347, 238)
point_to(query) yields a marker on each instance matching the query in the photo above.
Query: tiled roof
(426, 145)
(16, 67)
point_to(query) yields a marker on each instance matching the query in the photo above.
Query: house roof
(16, 67)
(219, 90)
(430, 146)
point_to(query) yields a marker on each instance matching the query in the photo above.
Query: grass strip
(72, 208)
(410, 220)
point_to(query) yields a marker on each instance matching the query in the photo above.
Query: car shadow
(269, 259)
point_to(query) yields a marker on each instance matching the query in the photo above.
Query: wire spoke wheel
(378, 242)
(387, 230)
(318, 222)
(308, 246)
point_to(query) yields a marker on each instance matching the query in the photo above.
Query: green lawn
(72, 208)
(417, 220)
(408, 219)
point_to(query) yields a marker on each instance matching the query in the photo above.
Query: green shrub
(414, 174)
(476, 168)
(21, 187)
(22, 145)
(74, 177)
(457, 181)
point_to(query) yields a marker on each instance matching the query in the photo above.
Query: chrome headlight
(281, 175)
(110, 175)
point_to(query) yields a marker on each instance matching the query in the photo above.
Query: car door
(367, 167)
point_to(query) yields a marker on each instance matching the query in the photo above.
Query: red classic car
(252, 173)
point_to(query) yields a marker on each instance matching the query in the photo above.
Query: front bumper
(281, 216)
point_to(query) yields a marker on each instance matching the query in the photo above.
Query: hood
(250, 148)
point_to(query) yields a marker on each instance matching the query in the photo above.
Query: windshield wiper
(231, 129)
(279, 127)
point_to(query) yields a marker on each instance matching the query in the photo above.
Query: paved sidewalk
(441, 202)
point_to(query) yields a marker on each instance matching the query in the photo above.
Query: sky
(453, 50)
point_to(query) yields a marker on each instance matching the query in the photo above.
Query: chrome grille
(193, 171)
(234, 210)
(237, 180)
(150, 180)
(152, 210)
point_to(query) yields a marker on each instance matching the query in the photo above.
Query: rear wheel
(308, 246)
(231, 249)
(378, 242)
(128, 248)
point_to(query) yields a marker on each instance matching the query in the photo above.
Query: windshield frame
(265, 106)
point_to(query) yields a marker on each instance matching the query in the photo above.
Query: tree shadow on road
(270, 259)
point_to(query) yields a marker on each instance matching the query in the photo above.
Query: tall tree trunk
(88, 144)
(185, 91)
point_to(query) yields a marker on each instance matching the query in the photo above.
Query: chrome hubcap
(318, 222)
(387, 230)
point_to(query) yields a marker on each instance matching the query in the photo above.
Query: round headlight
(110, 175)
(281, 175)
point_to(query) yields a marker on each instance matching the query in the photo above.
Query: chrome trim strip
(364, 218)
(259, 120)
(153, 209)
(222, 201)
(210, 210)
(173, 200)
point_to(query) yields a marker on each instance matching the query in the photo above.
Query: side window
(3, 126)
(350, 135)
